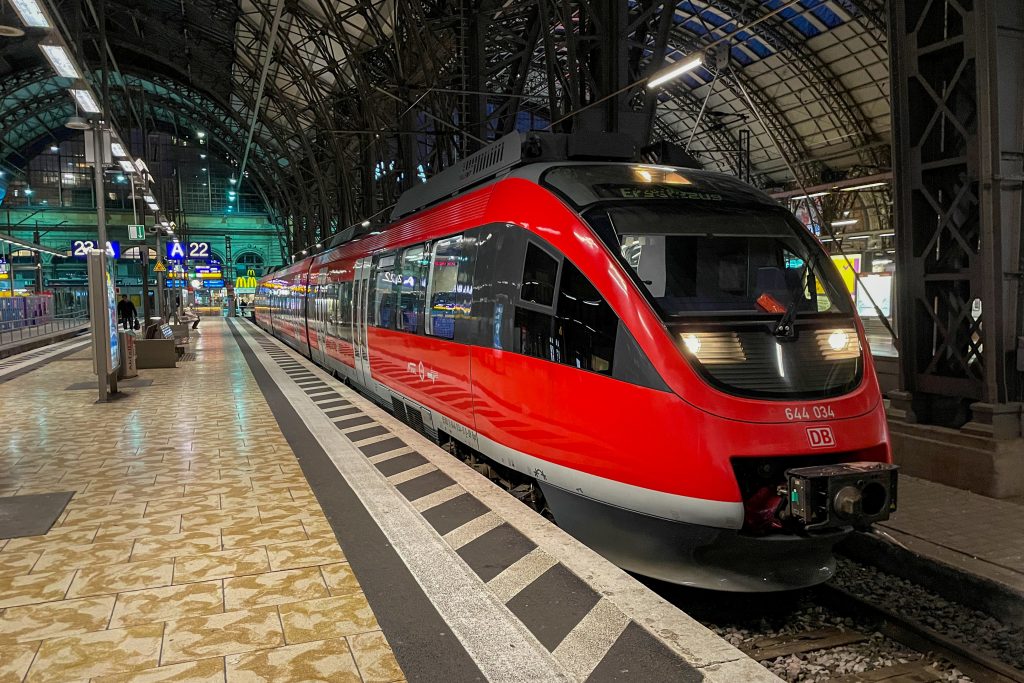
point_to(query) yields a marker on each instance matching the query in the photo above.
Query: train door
(359, 321)
(318, 320)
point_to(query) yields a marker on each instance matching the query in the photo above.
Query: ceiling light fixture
(31, 13)
(127, 166)
(77, 123)
(153, 206)
(809, 196)
(864, 187)
(86, 101)
(150, 199)
(674, 72)
(118, 149)
(845, 221)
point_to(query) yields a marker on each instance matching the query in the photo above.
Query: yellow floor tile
(31, 588)
(182, 506)
(169, 602)
(203, 671)
(262, 534)
(123, 532)
(53, 619)
(221, 634)
(325, 660)
(176, 545)
(345, 615)
(304, 554)
(374, 657)
(220, 519)
(17, 563)
(104, 515)
(117, 578)
(221, 564)
(15, 660)
(98, 653)
(340, 578)
(274, 588)
(76, 556)
(52, 538)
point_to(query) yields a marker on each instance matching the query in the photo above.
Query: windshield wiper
(786, 327)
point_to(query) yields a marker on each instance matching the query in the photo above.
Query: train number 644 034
(810, 412)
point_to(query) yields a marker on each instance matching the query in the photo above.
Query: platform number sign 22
(191, 250)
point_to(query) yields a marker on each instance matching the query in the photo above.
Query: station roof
(333, 84)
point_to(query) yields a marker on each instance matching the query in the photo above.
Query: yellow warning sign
(160, 267)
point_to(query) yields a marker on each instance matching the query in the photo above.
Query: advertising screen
(115, 355)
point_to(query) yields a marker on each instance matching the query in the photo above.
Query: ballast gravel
(963, 623)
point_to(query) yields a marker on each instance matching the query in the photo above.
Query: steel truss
(959, 156)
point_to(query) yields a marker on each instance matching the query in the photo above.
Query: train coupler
(855, 494)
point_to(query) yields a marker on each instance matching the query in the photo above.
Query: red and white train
(665, 351)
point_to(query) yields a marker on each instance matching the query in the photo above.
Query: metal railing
(28, 327)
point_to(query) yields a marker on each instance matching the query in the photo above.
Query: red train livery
(665, 352)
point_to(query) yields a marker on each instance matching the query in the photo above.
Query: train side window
(533, 335)
(345, 310)
(413, 287)
(383, 292)
(540, 273)
(442, 287)
(586, 324)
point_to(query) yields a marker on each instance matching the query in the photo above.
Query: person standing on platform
(126, 312)
(242, 305)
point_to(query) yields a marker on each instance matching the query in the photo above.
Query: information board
(81, 248)
(179, 251)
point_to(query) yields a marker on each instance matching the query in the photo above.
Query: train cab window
(586, 324)
(443, 294)
(539, 275)
(413, 287)
(383, 292)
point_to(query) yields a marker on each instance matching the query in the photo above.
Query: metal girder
(957, 66)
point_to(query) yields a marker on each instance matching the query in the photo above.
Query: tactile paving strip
(559, 608)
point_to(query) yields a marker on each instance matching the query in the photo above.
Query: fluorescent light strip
(886, 234)
(85, 100)
(859, 237)
(674, 72)
(864, 187)
(31, 13)
(58, 58)
(810, 196)
(845, 221)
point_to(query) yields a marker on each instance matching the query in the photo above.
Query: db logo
(821, 437)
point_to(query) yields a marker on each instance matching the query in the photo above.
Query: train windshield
(721, 262)
(703, 244)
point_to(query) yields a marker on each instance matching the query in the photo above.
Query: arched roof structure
(333, 108)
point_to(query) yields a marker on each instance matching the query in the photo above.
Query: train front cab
(671, 461)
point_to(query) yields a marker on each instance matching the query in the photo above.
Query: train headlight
(838, 340)
(692, 343)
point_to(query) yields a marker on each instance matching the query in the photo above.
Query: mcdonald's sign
(248, 280)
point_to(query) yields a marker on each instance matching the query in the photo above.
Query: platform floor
(979, 535)
(193, 546)
(247, 517)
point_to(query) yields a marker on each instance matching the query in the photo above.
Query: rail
(28, 327)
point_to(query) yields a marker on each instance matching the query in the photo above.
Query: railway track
(830, 634)
(981, 667)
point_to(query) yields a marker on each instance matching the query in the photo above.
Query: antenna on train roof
(509, 151)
